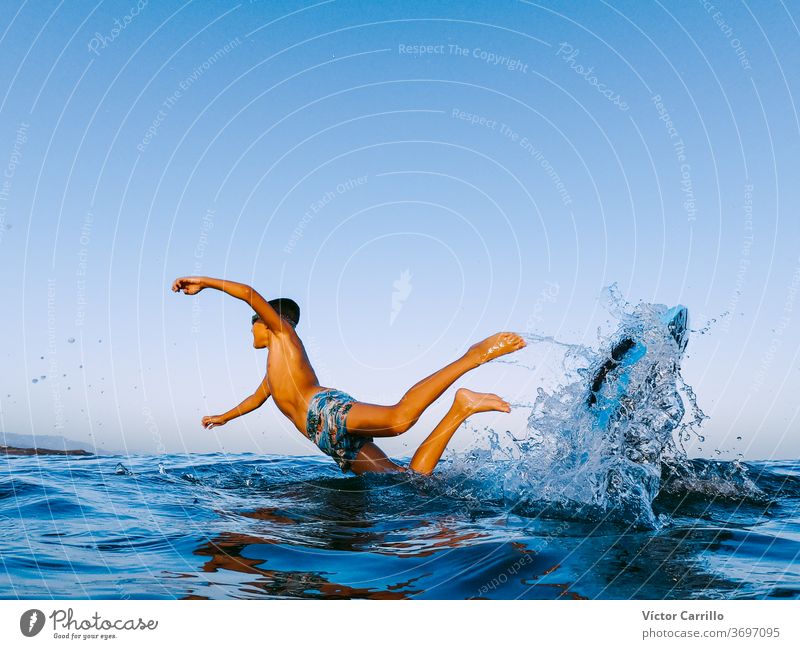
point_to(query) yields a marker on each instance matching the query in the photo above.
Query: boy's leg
(465, 404)
(384, 421)
(371, 459)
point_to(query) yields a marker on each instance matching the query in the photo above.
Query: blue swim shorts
(326, 427)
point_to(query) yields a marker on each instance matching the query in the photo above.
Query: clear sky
(417, 175)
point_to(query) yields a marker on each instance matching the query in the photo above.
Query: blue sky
(500, 162)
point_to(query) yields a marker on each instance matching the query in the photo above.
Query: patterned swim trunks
(326, 427)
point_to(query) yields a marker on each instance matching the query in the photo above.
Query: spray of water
(595, 445)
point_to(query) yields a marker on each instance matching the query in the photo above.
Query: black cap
(287, 308)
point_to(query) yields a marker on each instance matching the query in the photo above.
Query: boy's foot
(499, 344)
(473, 402)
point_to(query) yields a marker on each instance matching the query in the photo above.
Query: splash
(595, 445)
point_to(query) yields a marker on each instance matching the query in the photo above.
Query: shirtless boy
(338, 424)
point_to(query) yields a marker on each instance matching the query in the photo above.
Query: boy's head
(287, 309)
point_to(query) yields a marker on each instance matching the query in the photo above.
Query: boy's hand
(189, 285)
(213, 420)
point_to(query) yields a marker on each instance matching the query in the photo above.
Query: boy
(338, 424)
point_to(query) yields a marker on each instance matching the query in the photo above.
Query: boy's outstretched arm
(193, 285)
(255, 400)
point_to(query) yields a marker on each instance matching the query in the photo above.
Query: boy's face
(260, 335)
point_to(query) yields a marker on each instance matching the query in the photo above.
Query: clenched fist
(189, 285)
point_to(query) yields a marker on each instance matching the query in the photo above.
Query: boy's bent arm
(255, 400)
(192, 285)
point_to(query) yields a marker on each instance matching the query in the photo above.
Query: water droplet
(70, 340)
(35, 381)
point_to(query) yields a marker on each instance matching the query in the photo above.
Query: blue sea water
(247, 526)
(595, 499)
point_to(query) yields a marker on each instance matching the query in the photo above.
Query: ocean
(246, 526)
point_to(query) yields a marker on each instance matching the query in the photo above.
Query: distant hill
(13, 450)
(55, 442)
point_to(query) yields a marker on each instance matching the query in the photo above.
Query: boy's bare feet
(499, 344)
(473, 402)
